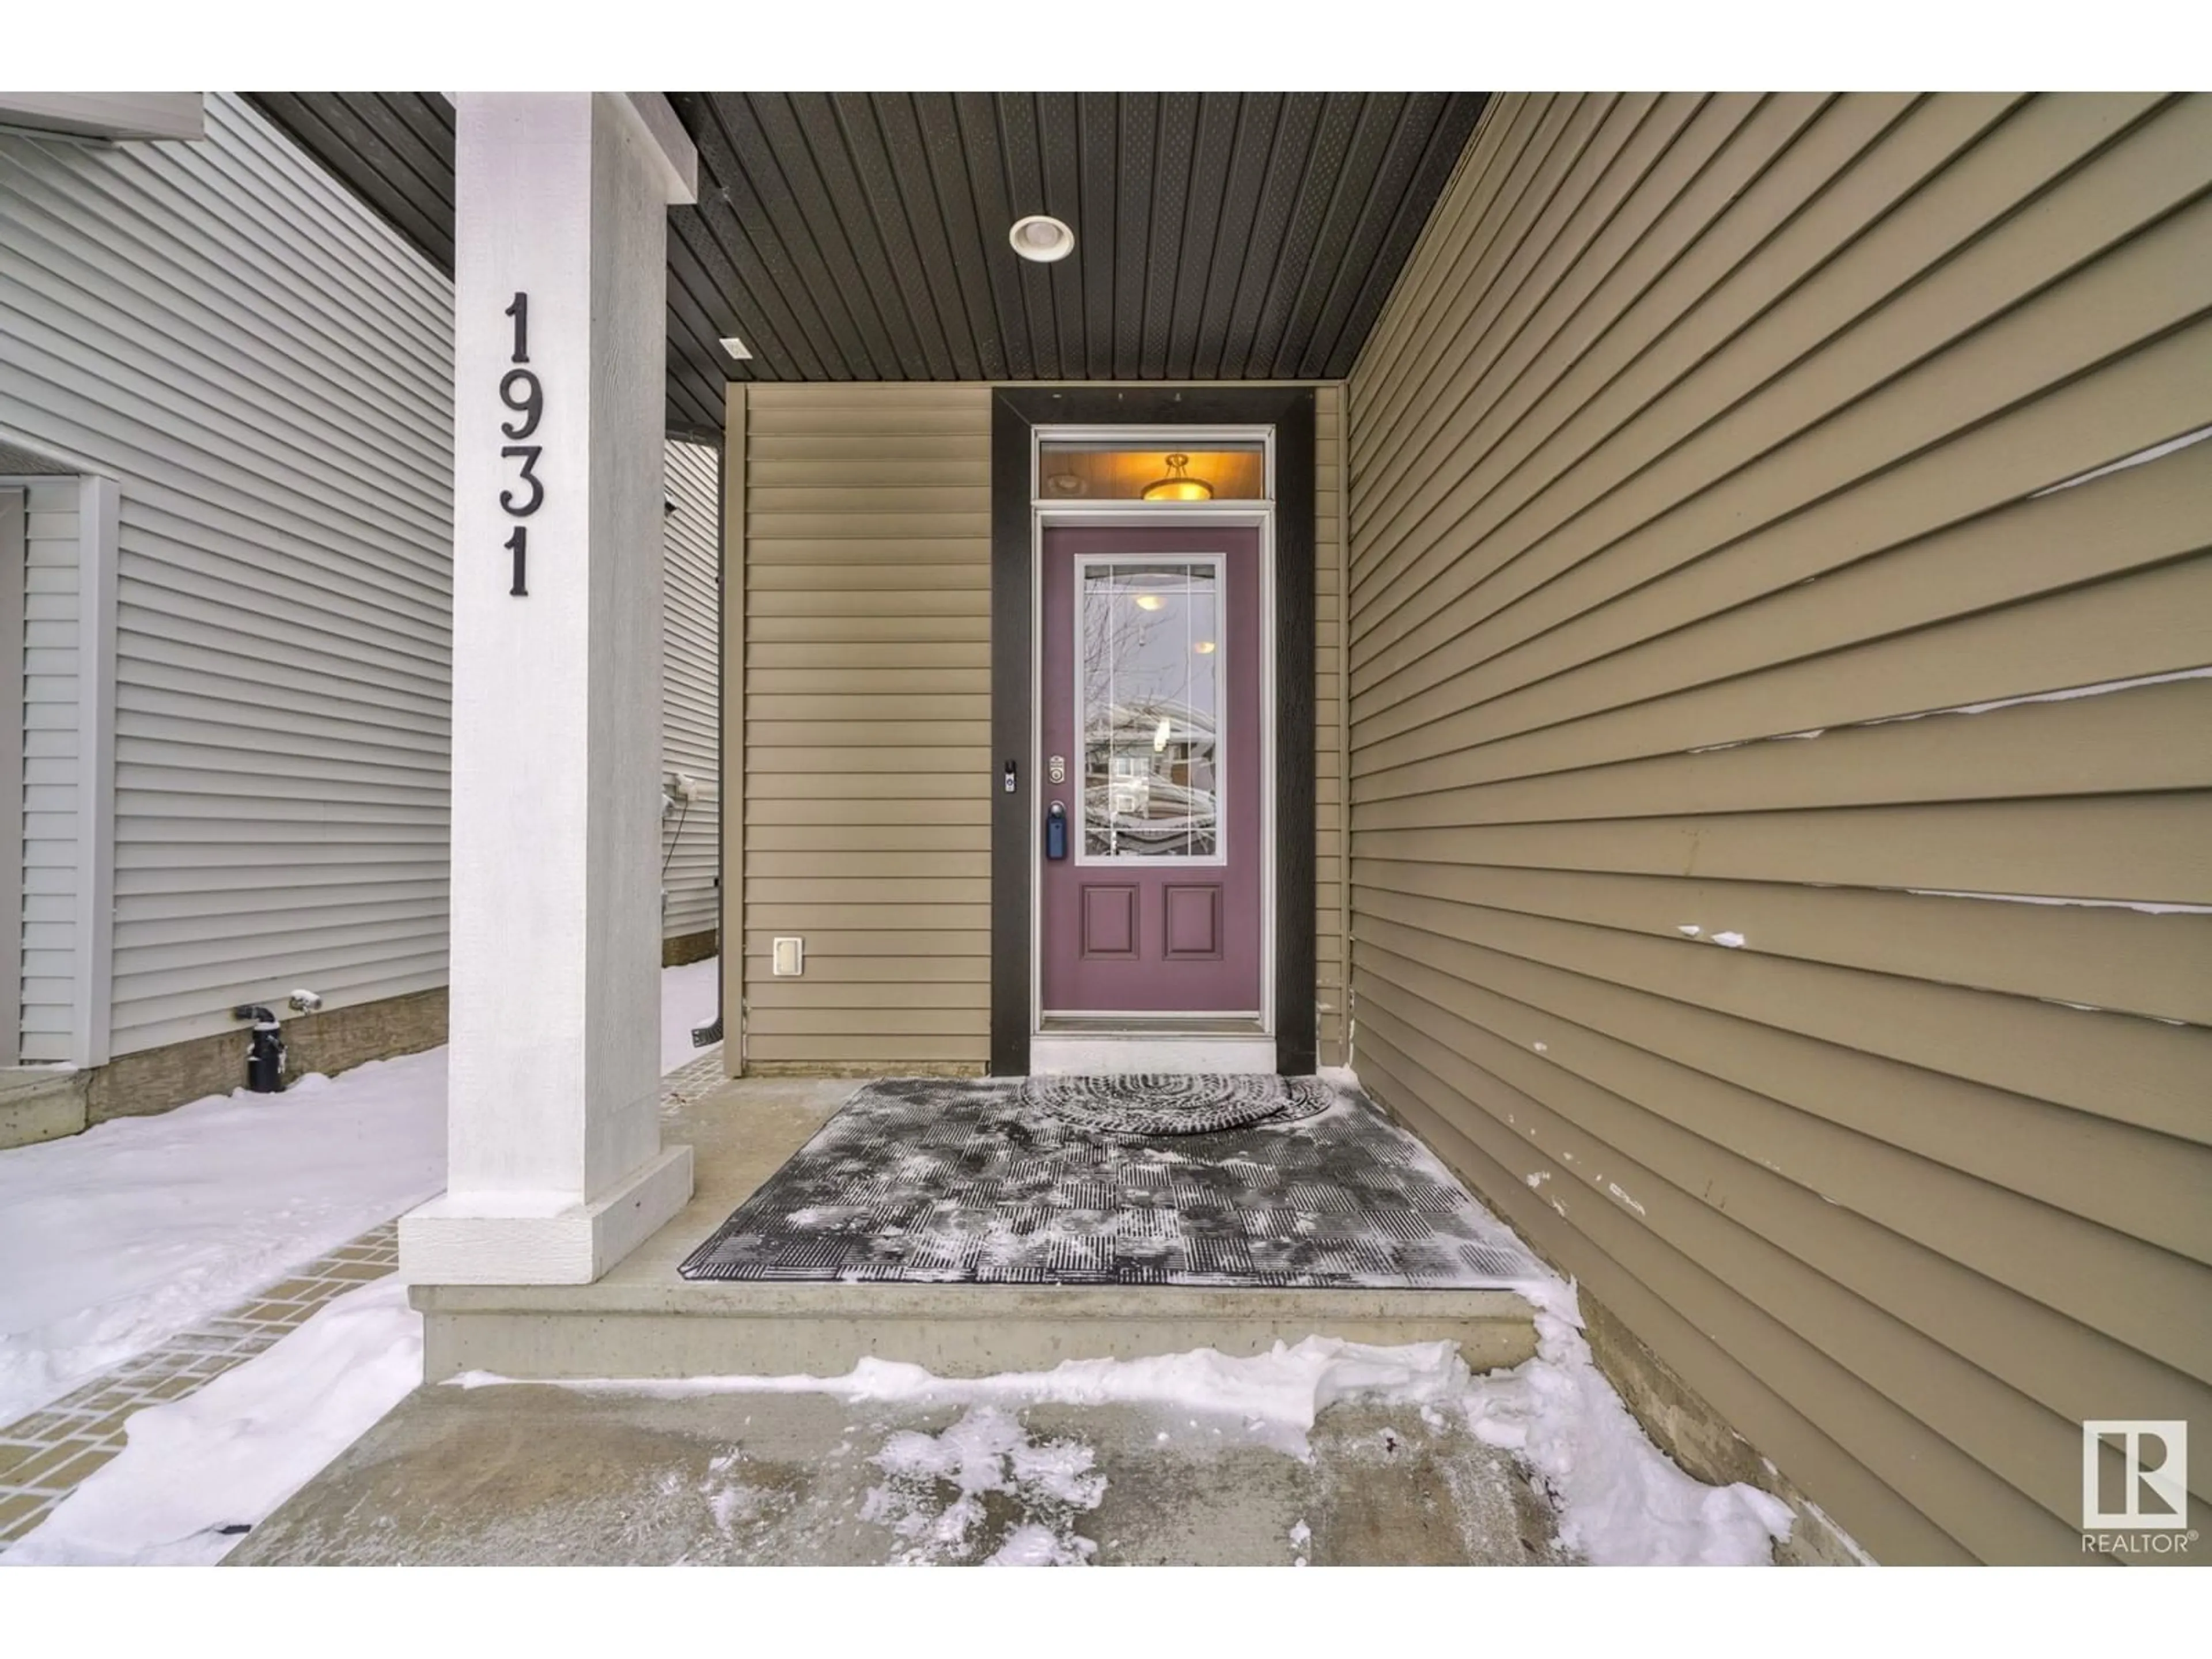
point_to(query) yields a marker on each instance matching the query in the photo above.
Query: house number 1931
(519, 391)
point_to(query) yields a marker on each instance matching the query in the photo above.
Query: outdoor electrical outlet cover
(790, 959)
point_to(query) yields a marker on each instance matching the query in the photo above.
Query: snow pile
(196, 1474)
(1621, 1501)
(932, 1495)
(141, 1227)
(1032, 1545)
(689, 996)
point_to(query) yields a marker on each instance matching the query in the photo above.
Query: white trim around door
(1158, 1042)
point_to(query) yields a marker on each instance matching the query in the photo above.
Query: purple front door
(1152, 742)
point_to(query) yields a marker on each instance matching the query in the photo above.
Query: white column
(555, 1167)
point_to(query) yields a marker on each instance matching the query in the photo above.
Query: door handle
(1055, 831)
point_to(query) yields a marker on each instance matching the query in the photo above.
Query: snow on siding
(692, 686)
(18, 463)
(265, 367)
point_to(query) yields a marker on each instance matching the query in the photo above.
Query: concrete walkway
(529, 1475)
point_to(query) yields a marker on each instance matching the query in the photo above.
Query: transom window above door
(1153, 470)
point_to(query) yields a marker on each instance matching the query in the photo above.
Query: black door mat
(1150, 1104)
(943, 1181)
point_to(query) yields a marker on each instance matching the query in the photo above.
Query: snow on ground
(987, 1450)
(141, 1227)
(197, 1473)
(689, 997)
(1274, 1396)
(171, 1220)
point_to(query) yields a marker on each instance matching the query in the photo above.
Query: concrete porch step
(626, 1328)
(643, 1320)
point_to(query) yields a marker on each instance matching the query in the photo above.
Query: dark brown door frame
(1014, 411)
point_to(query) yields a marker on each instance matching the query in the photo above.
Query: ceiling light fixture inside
(1042, 238)
(1176, 486)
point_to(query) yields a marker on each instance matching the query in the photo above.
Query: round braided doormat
(1159, 1104)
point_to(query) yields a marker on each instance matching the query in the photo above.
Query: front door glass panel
(1150, 666)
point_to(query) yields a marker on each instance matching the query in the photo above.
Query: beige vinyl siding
(1695, 473)
(265, 367)
(867, 722)
(691, 723)
(50, 688)
(1329, 756)
(865, 710)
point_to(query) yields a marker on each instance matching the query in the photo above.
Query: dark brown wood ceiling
(1235, 236)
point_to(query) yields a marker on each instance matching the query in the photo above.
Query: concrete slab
(643, 1320)
(40, 1102)
(543, 1475)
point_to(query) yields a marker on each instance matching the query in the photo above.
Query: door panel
(1151, 704)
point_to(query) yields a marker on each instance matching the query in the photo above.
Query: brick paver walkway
(43, 1456)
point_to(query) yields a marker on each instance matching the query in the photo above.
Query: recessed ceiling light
(736, 348)
(1042, 238)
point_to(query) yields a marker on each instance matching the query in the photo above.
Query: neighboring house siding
(864, 540)
(691, 724)
(1697, 421)
(265, 367)
(50, 766)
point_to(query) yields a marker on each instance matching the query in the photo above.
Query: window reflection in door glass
(1149, 676)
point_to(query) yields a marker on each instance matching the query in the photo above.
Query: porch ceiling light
(736, 348)
(1042, 238)
(1176, 486)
